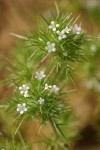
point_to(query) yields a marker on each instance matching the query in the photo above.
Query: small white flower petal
(18, 109)
(48, 43)
(21, 92)
(54, 49)
(19, 105)
(62, 32)
(54, 29)
(59, 37)
(25, 109)
(21, 112)
(50, 86)
(64, 36)
(46, 48)
(20, 88)
(50, 27)
(24, 104)
(58, 32)
(23, 85)
(27, 87)
(52, 22)
(26, 94)
(53, 44)
(57, 25)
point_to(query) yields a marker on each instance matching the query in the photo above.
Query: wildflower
(54, 89)
(67, 30)
(26, 94)
(50, 47)
(53, 26)
(76, 29)
(61, 34)
(21, 108)
(24, 90)
(41, 101)
(40, 75)
(51, 88)
(47, 86)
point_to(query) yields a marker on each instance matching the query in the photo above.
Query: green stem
(64, 137)
(54, 127)
(57, 130)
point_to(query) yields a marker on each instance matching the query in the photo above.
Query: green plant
(40, 73)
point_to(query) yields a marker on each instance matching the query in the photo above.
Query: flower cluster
(62, 34)
(24, 90)
(51, 88)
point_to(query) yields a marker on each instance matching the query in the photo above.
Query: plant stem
(54, 127)
(57, 130)
(43, 61)
(60, 131)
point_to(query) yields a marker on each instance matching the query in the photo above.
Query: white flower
(26, 94)
(51, 88)
(24, 90)
(53, 26)
(21, 108)
(47, 86)
(54, 89)
(61, 34)
(50, 47)
(76, 29)
(40, 75)
(41, 101)
(67, 30)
